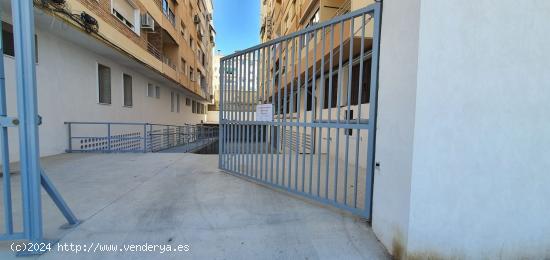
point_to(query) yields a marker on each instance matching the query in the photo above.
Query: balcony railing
(344, 8)
(166, 60)
(154, 51)
(167, 11)
(117, 137)
(171, 16)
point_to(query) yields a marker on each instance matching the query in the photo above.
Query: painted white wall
(396, 110)
(463, 130)
(67, 91)
(480, 183)
(213, 116)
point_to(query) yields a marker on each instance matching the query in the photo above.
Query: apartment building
(115, 61)
(280, 18)
(214, 108)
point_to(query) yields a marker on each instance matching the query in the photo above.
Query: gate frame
(32, 175)
(375, 10)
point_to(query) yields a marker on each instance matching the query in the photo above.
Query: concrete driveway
(181, 206)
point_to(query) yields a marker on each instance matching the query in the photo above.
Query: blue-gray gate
(299, 112)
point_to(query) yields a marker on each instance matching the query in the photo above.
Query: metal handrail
(143, 137)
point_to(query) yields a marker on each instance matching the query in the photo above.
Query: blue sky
(236, 24)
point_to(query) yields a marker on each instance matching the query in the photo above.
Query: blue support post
(109, 137)
(23, 24)
(31, 173)
(144, 138)
(70, 138)
(58, 200)
(151, 137)
(4, 148)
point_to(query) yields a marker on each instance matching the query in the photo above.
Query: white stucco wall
(482, 135)
(396, 111)
(213, 116)
(463, 130)
(67, 91)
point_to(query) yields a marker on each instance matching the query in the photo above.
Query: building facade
(214, 108)
(280, 18)
(115, 61)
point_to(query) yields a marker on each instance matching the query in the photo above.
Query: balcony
(168, 61)
(154, 51)
(164, 48)
(344, 8)
(170, 15)
(167, 11)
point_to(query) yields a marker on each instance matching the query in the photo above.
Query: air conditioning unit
(196, 19)
(147, 22)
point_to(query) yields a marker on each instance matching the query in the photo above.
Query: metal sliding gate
(299, 112)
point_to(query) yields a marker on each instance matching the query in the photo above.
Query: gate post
(23, 23)
(27, 107)
(4, 149)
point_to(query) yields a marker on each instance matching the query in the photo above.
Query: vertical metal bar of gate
(303, 147)
(4, 149)
(28, 115)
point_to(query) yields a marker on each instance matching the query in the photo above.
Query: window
(150, 90)
(127, 89)
(194, 107)
(157, 92)
(183, 29)
(8, 43)
(7, 39)
(183, 66)
(187, 101)
(127, 13)
(191, 74)
(178, 103)
(104, 84)
(315, 18)
(165, 6)
(172, 101)
(168, 12)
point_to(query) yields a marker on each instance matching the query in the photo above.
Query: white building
(71, 66)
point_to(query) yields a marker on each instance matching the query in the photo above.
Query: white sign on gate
(264, 112)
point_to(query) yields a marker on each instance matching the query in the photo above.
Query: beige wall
(134, 43)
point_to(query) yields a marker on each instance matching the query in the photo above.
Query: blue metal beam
(23, 24)
(58, 200)
(32, 176)
(4, 147)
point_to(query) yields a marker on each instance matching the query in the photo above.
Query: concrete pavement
(184, 200)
